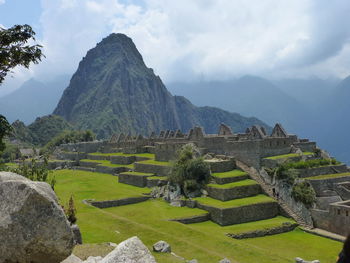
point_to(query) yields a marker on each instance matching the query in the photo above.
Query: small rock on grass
(162, 246)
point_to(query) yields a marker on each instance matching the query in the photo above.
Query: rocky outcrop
(131, 250)
(33, 227)
(162, 246)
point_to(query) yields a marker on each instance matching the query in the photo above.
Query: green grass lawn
(150, 221)
(236, 202)
(234, 184)
(107, 163)
(155, 162)
(290, 155)
(147, 155)
(233, 173)
(328, 176)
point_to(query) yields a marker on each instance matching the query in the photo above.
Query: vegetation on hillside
(303, 192)
(68, 137)
(189, 171)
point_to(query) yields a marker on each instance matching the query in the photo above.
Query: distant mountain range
(33, 99)
(114, 91)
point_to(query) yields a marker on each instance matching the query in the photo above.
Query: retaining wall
(234, 193)
(135, 180)
(242, 214)
(152, 168)
(120, 202)
(192, 219)
(227, 180)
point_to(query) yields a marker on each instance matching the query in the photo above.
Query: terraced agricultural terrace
(209, 226)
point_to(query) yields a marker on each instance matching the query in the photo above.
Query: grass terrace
(234, 203)
(147, 155)
(328, 176)
(210, 226)
(233, 173)
(11, 165)
(107, 163)
(149, 220)
(284, 156)
(234, 184)
(154, 162)
(157, 178)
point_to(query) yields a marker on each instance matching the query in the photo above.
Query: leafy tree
(5, 130)
(189, 171)
(14, 50)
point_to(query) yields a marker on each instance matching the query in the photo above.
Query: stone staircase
(267, 189)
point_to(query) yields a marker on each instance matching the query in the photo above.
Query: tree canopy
(15, 50)
(5, 129)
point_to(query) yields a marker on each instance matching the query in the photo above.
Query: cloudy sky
(187, 39)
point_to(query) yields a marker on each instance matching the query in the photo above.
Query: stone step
(229, 177)
(220, 166)
(151, 166)
(153, 181)
(235, 190)
(193, 219)
(134, 178)
(239, 211)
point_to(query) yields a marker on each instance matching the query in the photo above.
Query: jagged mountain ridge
(114, 91)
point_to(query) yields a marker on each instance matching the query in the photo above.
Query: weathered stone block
(225, 194)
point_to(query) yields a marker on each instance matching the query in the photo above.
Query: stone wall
(343, 189)
(111, 170)
(122, 159)
(340, 218)
(152, 168)
(234, 193)
(285, 227)
(321, 218)
(227, 180)
(120, 202)
(192, 219)
(86, 147)
(323, 185)
(242, 214)
(331, 169)
(220, 166)
(132, 179)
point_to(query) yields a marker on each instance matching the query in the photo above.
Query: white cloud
(216, 38)
(2, 2)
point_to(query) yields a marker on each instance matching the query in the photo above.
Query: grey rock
(225, 260)
(76, 234)
(162, 246)
(192, 261)
(72, 259)
(131, 250)
(33, 226)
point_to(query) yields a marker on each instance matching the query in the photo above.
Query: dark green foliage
(5, 130)
(289, 175)
(189, 171)
(303, 192)
(35, 171)
(10, 153)
(113, 91)
(41, 131)
(14, 51)
(69, 137)
(71, 211)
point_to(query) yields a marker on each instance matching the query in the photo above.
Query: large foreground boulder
(33, 227)
(131, 250)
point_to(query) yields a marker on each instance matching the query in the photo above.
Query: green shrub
(10, 153)
(303, 192)
(189, 171)
(71, 211)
